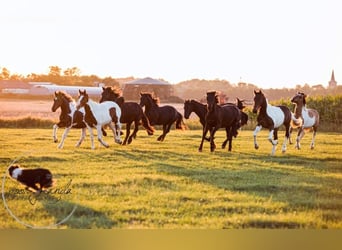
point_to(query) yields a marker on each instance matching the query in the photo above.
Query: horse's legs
(83, 134)
(99, 136)
(274, 141)
(118, 132)
(135, 131)
(54, 133)
(300, 135)
(256, 131)
(128, 131)
(230, 138)
(65, 134)
(287, 137)
(290, 133)
(312, 146)
(212, 142)
(205, 130)
(91, 135)
(166, 129)
(226, 140)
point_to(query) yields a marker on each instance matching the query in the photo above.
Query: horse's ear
(103, 88)
(140, 93)
(255, 92)
(80, 92)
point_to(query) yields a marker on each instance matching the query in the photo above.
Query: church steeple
(332, 82)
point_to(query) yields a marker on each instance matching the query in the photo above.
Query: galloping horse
(69, 117)
(99, 114)
(131, 112)
(226, 116)
(271, 117)
(165, 115)
(201, 110)
(308, 118)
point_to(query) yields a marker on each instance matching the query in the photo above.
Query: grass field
(149, 184)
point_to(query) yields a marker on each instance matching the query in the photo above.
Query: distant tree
(5, 74)
(55, 71)
(109, 81)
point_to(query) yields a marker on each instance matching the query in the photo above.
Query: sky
(270, 43)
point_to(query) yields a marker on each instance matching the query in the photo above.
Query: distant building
(332, 82)
(14, 87)
(162, 90)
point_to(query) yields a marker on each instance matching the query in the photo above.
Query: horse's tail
(146, 124)
(179, 122)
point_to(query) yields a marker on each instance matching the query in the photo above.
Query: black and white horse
(69, 117)
(98, 115)
(271, 117)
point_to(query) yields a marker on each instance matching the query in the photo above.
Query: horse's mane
(116, 91)
(65, 95)
(156, 100)
(195, 101)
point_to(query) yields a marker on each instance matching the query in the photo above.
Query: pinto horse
(165, 115)
(308, 118)
(98, 115)
(69, 117)
(271, 117)
(217, 116)
(131, 113)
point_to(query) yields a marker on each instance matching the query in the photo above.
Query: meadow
(149, 184)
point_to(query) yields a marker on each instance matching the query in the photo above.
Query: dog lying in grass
(36, 179)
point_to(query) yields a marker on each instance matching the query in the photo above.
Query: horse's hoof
(55, 140)
(256, 146)
(199, 150)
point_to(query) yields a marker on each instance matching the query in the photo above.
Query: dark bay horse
(69, 117)
(132, 112)
(226, 116)
(201, 110)
(308, 118)
(271, 117)
(164, 115)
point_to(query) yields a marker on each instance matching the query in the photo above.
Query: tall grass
(149, 184)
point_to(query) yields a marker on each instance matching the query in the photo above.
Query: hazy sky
(269, 43)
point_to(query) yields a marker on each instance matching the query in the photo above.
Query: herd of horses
(112, 110)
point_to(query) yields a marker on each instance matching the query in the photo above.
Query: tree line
(70, 76)
(190, 89)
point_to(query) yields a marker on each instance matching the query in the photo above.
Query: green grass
(149, 184)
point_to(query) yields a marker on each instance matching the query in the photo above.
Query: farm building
(49, 89)
(161, 89)
(14, 87)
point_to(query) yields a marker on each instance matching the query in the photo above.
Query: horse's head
(145, 99)
(109, 94)
(212, 100)
(239, 104)
(57, 101)
(259, 100)
(299, 99)
(187, 109)
(82, 100)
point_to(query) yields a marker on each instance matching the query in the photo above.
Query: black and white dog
(31, 177)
